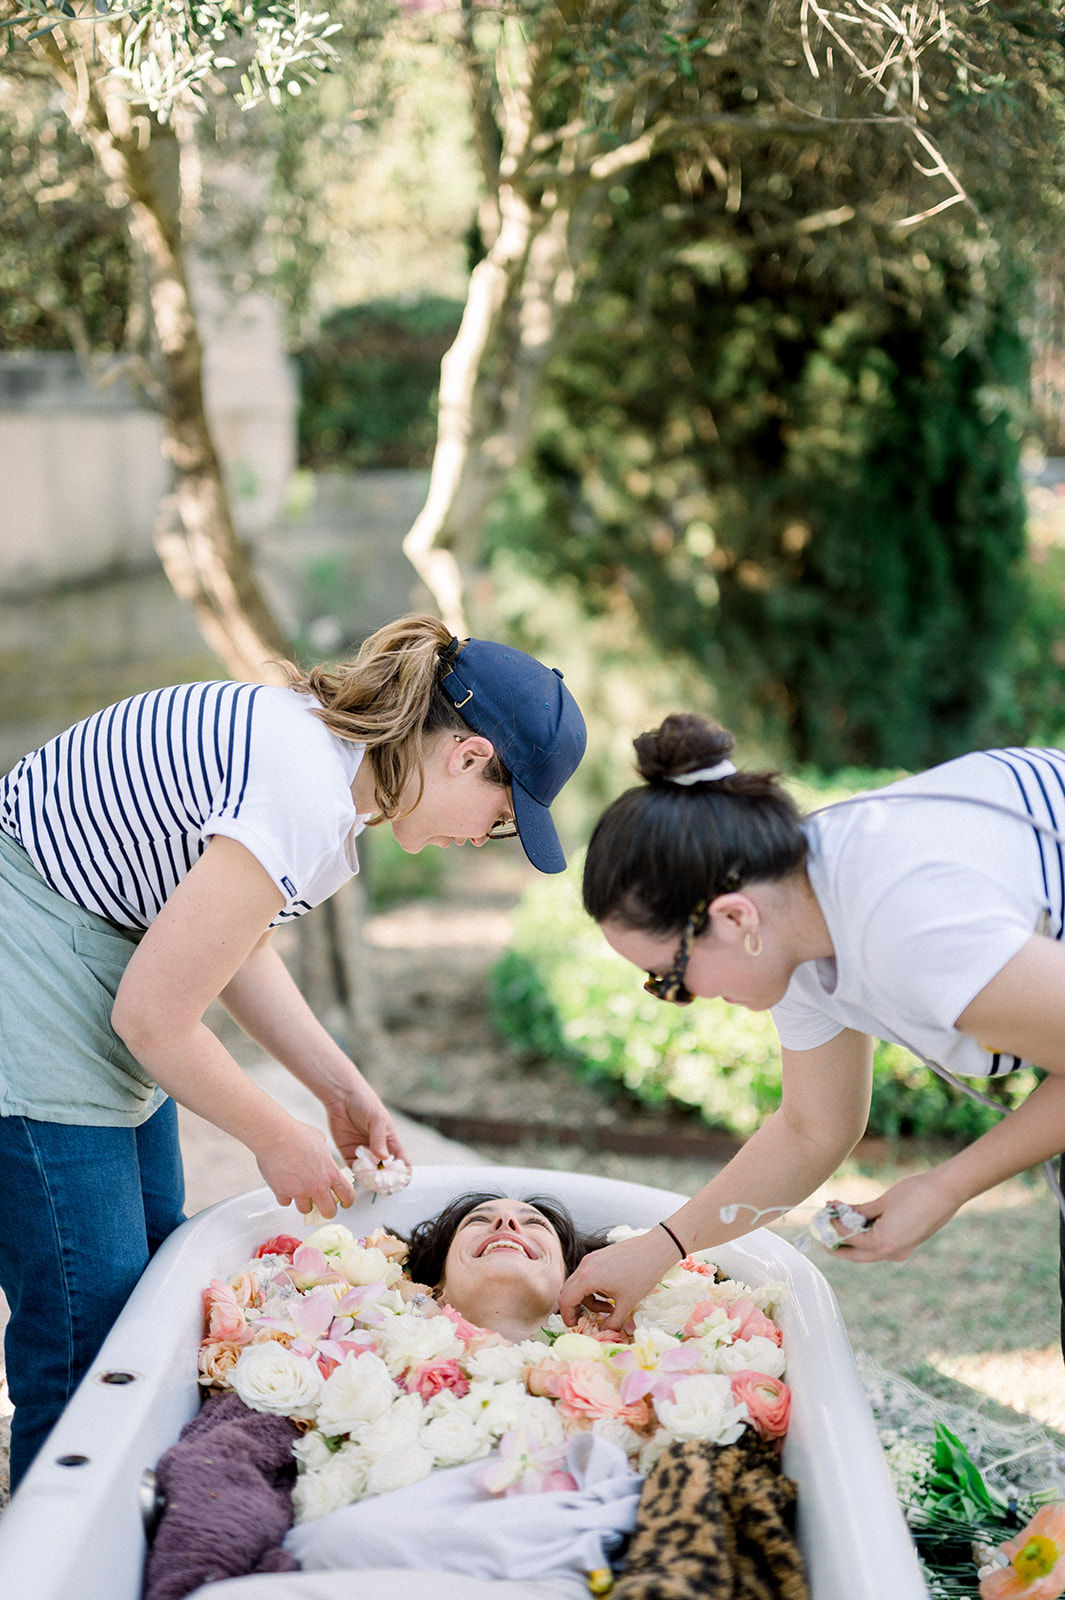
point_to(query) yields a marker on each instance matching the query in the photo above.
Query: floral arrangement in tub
(388, 1384)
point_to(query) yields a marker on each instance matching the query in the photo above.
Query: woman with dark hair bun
(930, 913)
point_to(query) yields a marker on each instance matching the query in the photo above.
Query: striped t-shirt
(929, 887)
(115, 811)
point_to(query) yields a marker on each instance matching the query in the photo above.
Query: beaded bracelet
(676, 1241)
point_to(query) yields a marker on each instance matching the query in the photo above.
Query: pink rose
(768, 1402)
(433, 1377)
(283, 1244)
(705, 1269)
(225, 1314)
(584, 1391)
(754, 1324)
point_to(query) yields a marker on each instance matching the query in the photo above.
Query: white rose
(361, 1265)
(670, 1306)
(499, 1405)
(750, 1355)
(271, 1377)
(620, 1434)
(454, 1438)
(702, 1408)
(406, 1463)
(359, 1391)
(332, 1239)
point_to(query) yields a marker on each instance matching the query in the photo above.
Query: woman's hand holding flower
(617, 1277)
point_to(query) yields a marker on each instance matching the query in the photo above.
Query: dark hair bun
(684, 743)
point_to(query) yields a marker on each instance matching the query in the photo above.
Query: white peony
(396, 1468)
(387, 1175)
(312, 1451)
(456, 1437)
(402, 1423)
(499, 1363)
(411, 1341)
(271, 1377)
(338, 1482)
(618, 1433)
(702, 1408)
(750, 1355)
(359, 1391)
(361, 1265)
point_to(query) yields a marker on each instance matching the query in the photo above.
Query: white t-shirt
(115, 811)
(926, 900)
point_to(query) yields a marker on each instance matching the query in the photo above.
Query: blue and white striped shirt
(115, 811)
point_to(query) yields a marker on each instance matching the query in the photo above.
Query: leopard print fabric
(716, 1522)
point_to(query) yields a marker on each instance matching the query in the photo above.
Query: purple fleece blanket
(228, 1490)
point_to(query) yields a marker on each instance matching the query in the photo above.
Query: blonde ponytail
(388, 698)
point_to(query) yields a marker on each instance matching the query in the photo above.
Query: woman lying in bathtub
(474, 1529)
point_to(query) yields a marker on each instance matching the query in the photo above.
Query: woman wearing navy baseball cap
(146, 855)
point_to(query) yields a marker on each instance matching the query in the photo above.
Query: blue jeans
(82, 1209)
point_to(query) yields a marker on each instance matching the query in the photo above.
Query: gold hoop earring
(752, 943)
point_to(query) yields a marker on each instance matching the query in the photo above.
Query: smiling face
(505, 1267)
(457, 802)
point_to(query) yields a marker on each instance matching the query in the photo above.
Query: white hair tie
(723, 769)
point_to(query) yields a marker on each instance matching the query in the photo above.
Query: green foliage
(560, 993)
(1031, 701)
(808, 489)
(391, 876)
(64, 247)
(369, 381)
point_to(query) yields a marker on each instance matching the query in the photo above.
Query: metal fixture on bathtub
(151, 1502)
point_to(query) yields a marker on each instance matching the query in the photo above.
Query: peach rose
(754, 1324)
(768, 1402)
(216, 1358)
(584, 1391)
(225, 1313)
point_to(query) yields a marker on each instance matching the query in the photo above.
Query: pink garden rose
(225, 1312)
(432, 1377)
(585, 1390)
(282, 1244)
(768, 1401)
(754, 1324)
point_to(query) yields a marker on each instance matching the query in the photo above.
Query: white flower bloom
(618, 1433)
(359, 1391)
(339, 1482)
(311, 1451)
(749, 1355)
(386, 1176)
(501, 1363)
(623, 1231)
(332, 1239)
(651, 1450)
(702, 1408)
(396, 1468)
(578, 1347)
(360, 1265)
(455, 1437)
(718, 1329)
(271, 1377)
(410, 1341)
(401, 1424)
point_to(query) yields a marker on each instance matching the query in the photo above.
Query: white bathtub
(74, 1529)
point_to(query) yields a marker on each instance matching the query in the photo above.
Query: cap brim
(536, 831)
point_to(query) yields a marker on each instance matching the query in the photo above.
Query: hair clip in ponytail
(449, 651)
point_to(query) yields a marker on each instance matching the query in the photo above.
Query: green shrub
(368, 383)
(561, 994)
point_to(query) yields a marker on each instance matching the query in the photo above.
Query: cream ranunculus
(359, 1391)
(361, 1265)
(578, 1347)
(702, 1408)
(271, 1377)
(332, 1239)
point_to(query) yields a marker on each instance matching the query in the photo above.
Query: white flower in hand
(384, 1175)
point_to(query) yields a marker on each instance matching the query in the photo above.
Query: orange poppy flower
(1036, 1557)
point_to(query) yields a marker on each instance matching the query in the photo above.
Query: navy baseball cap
(535, 726)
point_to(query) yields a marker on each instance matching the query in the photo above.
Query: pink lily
(650, 1373)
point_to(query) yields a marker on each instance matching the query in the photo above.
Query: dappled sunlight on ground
(1030, 1381)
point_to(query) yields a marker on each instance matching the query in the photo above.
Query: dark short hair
(430, 1241)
